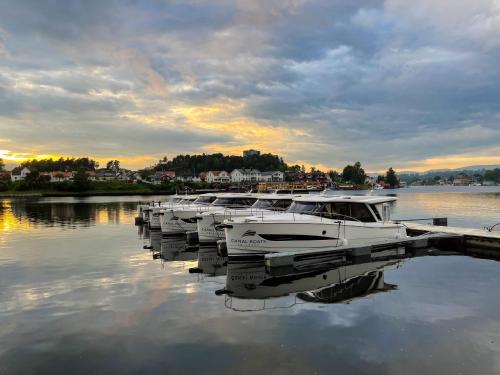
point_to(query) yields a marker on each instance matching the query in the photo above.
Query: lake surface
(80, 295)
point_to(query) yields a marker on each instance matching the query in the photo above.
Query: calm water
(80, 295)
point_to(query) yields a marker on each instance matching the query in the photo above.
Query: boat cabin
(366, 209)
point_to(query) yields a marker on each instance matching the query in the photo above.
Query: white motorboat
(209, 230)
(154, 213)
(315, 222)
(144, 210)
(172, 224)
(181, 219)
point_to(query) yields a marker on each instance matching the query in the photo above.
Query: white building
(272, 176)
(188, 178)
(245, 175)
(19, 174)
(218, 177)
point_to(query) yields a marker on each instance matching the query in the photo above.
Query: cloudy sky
(409, 84)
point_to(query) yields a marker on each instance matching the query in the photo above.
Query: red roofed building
(221, 177)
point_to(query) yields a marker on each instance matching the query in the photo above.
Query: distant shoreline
(79, 194)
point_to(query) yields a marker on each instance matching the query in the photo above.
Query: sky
(413, 85)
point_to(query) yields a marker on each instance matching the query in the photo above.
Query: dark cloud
(376, 81)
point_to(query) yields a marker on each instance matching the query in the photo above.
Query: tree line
(193, 165)
(492, 175)
(61, 164)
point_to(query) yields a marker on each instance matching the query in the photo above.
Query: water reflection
(175, 249)
(209, 263)
(320, 282)
(93, 301)
(34, 213)
(168, 249)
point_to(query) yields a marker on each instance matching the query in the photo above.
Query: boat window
(273, 204)
(205, 200)
(263, 204)
(376, 211)
(234, 202)
(304, 207)
(361, 212)
(281, 204)
(346, 210)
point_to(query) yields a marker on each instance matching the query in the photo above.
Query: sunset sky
(410, 84)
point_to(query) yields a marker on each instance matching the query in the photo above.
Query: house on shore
(272, 176)
(221, 177)
(92, 176)
(463, 180)
(5, 175)
(60, 176)
(19, 174)
(245, 175)
(105, 175)
(163, 176)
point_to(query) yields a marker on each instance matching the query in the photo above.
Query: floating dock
(473, 239)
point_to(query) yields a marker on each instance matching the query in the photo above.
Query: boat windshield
(205, 201)
(272, 204)
(234, 202)
(305, 207)
(176, 200)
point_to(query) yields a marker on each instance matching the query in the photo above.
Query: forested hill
(61, 164)
(194, 164)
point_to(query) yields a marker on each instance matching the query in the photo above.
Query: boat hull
(263, 237)
(172, 222)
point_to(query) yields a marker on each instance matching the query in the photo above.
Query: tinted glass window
(205, 200)
(346, 210)
(282, 204)
(304, 207)
(234, 202)
(273, 204)
(361, 212)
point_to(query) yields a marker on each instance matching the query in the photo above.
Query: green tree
(61, 164)
(113, 165)
(391, 178)
(354, 173)
(492, 175)
(334, 175)
(81, 181)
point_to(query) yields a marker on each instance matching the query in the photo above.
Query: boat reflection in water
(318, 283)
(175, 249)
(168, 248)
(209, 263)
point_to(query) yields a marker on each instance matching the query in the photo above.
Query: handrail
(328, 215)
(490, 229)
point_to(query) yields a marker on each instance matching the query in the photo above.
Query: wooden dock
(473, 238)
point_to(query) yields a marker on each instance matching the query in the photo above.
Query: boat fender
(195, 270)
(221, 292)
(344, 242)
